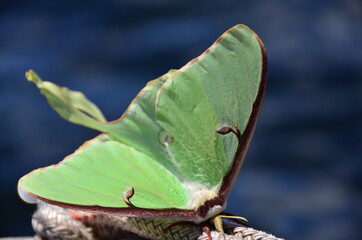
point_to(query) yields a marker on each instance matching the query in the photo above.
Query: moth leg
(207, 230)
(80, 215)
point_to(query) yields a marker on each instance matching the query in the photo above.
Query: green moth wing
(165, 156)
(103, 181)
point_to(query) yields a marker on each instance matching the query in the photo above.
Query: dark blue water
(301, 178)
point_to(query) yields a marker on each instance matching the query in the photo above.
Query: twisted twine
(55, 223)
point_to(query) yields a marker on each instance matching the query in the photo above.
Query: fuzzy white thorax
(212, 212)
(199, 194)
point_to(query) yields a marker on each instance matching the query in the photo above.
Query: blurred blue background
(301, 178)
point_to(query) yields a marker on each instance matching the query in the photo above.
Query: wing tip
(24, 195)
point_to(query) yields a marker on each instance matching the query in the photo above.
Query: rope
(55, 223)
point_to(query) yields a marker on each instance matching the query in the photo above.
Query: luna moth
(176, 151)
